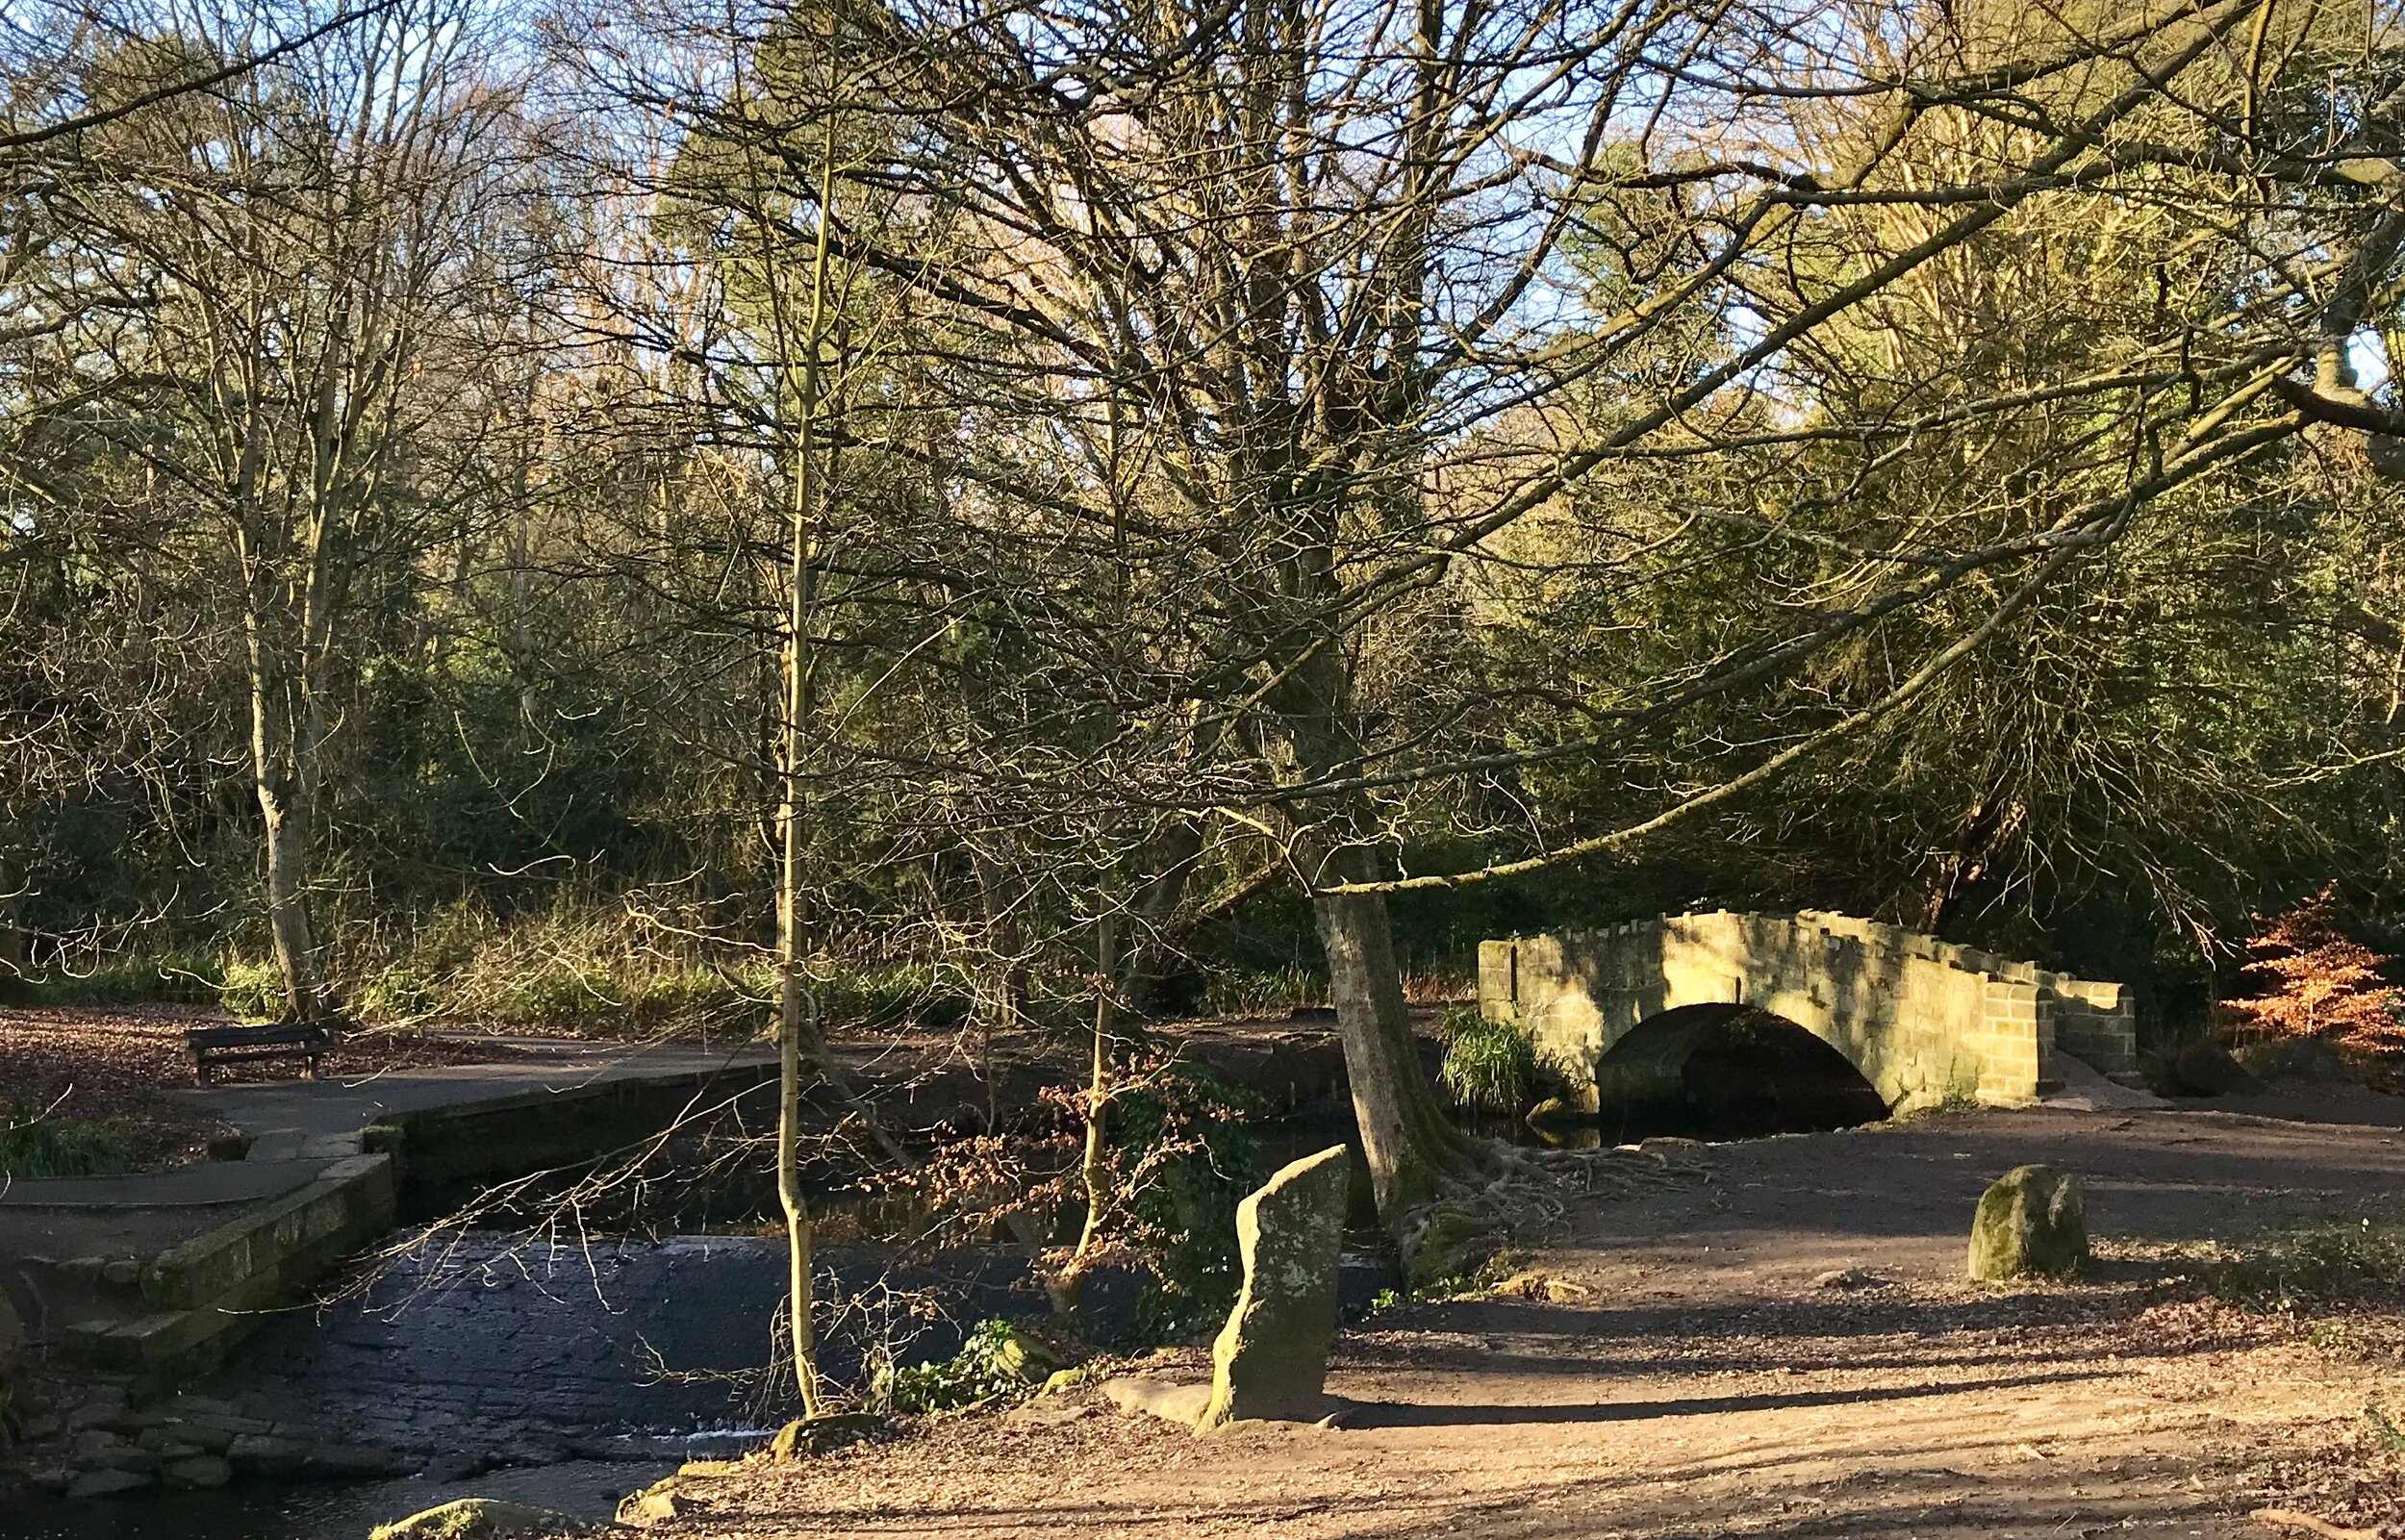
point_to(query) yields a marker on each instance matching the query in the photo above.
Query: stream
(565, 1371)
(560, 1371)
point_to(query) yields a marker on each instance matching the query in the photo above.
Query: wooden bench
(212, 1046)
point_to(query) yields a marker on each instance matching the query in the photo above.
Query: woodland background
(500, 504)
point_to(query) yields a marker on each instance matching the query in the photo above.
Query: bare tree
(297, 245)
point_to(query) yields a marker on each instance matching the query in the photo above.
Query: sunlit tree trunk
(279, 783)
(1406, 1137)
(793, 1004)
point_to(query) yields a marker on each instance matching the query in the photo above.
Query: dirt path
(1707, 1386)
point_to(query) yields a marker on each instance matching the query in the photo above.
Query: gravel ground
(1697, 1378)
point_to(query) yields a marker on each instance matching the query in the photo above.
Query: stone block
(1269, 1360)
(199, 1472)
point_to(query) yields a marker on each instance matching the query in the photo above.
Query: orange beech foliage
(2321, 982)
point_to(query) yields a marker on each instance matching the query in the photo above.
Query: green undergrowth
(1261, 991)
(180, 977)
(2314, 1262)
(253, 990)
(997, 1360)
(1183, 1155)
(32, 1147)
(1490, 1067)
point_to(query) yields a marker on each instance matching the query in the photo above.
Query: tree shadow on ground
(1367, 1415)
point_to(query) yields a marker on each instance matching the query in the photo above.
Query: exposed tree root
(1505, 1195)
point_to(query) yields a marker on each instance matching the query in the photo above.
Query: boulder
(2207, 1069)
(656, 1503)
(479, 1519)
(1269, 1360)
(198, 1471)
(2032, 1221)
(1165, 1399)
(111, 1485)
(1026, 1359)
(1557, 1115)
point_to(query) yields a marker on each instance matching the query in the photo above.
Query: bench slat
(211, 1039)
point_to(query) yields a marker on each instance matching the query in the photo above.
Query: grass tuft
(32, 1147)
(2322, 1263)
(1489, 1066)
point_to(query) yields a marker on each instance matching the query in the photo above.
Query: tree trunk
(284, 813)
(1407, 1140)
(800, 700)
(790, 1023)
(13, 950)
(1094, 1168)
(1405, 1136)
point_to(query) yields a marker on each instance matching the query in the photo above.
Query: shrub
(1184, 1157)
(995, 1360)
(182, 975)
(251, 990)
(2320, 982)
(1273, 992)
(34, 1146)
(394, 993)
(880, 998)
(1489, 1066)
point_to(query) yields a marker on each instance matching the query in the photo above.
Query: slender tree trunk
(284, 813)
(1408, 1140)
(790, 1197)
(1093, 1167)
(12, 948)
(792, 997)
(1001, 992)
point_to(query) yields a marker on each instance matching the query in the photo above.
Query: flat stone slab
(1167, 1398)
(288, 1117)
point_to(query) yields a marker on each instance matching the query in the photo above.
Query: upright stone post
(1271, 1359)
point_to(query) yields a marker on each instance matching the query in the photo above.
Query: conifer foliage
(2320, 982)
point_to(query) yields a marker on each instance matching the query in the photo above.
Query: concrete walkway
(298, 1125)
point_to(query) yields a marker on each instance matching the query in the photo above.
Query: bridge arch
(1921, 1020)
(1735, 1072)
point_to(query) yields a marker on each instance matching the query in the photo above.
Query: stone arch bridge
(1924, 1021)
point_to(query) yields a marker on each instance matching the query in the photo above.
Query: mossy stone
(816, 1435)
(2032, 1221)
(1026, 1359)
(1452, 1247)
(1269, 1361)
